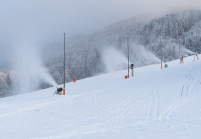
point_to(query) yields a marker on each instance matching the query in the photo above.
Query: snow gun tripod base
(59, 91)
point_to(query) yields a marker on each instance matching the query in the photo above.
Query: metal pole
(64, 59)
(161, 53)
(179, 53)
(128, 55)
(179, 50)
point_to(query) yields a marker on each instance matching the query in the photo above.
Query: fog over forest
(42, 22)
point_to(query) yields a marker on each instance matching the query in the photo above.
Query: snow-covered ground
(155, 103)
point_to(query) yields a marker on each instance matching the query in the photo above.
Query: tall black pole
(161, 53)
(179, 49)
(179, 45)
(64, 59)
(128, 54)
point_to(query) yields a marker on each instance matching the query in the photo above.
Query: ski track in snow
(32, 107)
(87, 106)
(100, 125)
(185, 97)
(96, 104)
(152, 112)
(157, 103)
(108, 120)
(124, 113)
(194, 92)
(116, 106)
(121, 112)
(124, 107)
(151, 105)
(93, 94)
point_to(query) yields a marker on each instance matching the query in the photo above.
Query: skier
(166, 65)
(197, 56)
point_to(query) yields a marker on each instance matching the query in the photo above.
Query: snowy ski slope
(154, 104)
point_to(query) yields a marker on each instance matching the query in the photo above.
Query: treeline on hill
(179, 33)
(7, 83)
(176, 33)
(84, 57)
(177, 29)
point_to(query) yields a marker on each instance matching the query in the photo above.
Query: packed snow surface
(154, 104)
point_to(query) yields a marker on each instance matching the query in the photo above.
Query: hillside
(176, 33)
(154, 103)
(85, 57)
(105, 51)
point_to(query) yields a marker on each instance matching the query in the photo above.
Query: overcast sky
(42, 21)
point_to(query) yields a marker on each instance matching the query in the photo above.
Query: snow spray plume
(114, 60)
(185, 51)
(140, 55)
(30, 70)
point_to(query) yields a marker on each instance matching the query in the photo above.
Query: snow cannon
(132, 66)
(58, 91)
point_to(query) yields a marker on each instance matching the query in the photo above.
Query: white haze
(139, 55)
(44, 21)
(185, 51)
(114, 60)
(30, 70)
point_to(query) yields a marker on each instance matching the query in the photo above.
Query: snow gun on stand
(197, 56)
(182, 60)
(58, 91)
(131, 67)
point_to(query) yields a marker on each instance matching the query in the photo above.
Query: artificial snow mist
(30, 71)
(90, 55)
(114, 60)
(139, 55)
